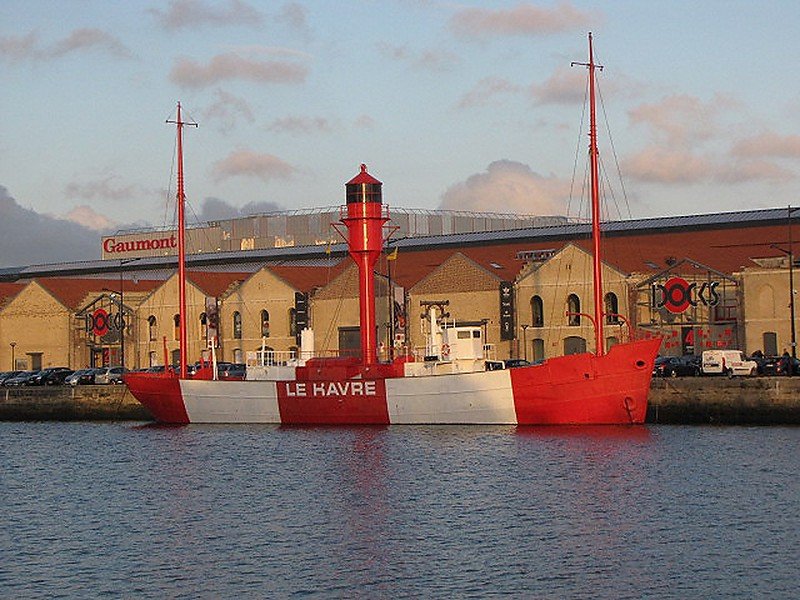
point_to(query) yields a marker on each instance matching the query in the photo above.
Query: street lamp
(789, 253)
(525, 341)
(13, 364)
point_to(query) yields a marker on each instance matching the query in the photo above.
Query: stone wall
(67, 403)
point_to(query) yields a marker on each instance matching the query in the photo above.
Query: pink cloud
(86, 216)
(565, 86)
(246, 163)
(102, 189)
(428, 60)
(510, 187)
(524, 19)
(82, 39)
(295, 15)
(194, 13)
(656, 165)
(17, 48)
(227, 110)
(754, 170)
(189, 73)
(485, 90)
(300, 125)
(679, 119)
(768, 144)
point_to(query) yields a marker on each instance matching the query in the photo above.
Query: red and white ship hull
(575, 389)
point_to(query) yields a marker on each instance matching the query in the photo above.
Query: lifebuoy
(446, 350)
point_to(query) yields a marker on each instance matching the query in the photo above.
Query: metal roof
(319, 255)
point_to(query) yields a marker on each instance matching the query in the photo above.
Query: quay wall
(689, 400)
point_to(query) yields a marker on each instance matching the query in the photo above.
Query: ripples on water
(121, 510)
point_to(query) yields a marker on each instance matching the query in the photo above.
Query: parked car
(727, 362)
(109, 375)
(515, 362)
(50, 376)
(677, 366)
(82, 377)
(232, 371)
(8, 375)
(20, 379)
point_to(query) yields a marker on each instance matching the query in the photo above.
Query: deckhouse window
(537, 311)
(237, 325)
(573, 308)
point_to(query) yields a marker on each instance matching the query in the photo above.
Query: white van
(729, 362)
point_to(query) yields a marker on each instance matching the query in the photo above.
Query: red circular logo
(676, 295)
(100, 322)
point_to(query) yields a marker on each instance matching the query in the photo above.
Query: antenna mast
(595, 172)
(181, 198)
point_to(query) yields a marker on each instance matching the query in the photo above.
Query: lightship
(453, 383)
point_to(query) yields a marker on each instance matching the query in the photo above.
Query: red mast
(181, 198)
(595, 176)
(364, 220)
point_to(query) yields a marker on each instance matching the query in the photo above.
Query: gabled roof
(9, 290)
(464, 264)
(215, 284)
(71, 291)
(305, 279)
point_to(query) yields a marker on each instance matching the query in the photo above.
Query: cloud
(86, 216)
(86, 39)
(227, 110)
(197, 13)
(510, 187)
(27, 47)
(27, 237)
(657, 165)
(19, 48)
(427, 60)
(295, 15)
(679, 119)
(565, 86)
(222, 67)
(246, 163)
(103, 189)
(768, 144)
(364, 122)
(215, 209)
(754, 170)
(485, 90)
(524, 19)
(300, 125)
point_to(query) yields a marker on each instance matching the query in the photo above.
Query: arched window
(292, 322)
(237, 325)
(176, 330)
(573, 307)
(203, 326)
(151, 326)
(264, 323)
(611, 308)
(537, 311)
(237, 355)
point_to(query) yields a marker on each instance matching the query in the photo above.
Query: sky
(453, 105)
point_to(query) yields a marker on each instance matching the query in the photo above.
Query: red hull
(578, 389)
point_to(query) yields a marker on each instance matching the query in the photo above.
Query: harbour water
(142, 511)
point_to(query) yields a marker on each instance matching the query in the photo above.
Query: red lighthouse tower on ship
(364, 216)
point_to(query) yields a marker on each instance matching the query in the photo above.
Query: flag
(392, 255)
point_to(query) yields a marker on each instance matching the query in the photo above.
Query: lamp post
(13, 364)
(525, 341)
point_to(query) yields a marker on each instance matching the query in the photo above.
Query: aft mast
(181, 199)
(597, 275)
